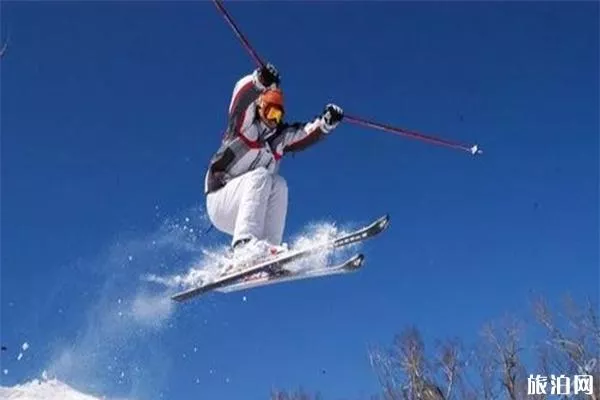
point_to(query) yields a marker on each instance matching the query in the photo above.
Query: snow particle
(197, 380)
(195, 349)
(25, 346)
(244, 298)
(119, 301)
(19, 356)
(122, 374)
(226, 380)
(5, 372)
(187, 219)
(211, 372)
(130, 258)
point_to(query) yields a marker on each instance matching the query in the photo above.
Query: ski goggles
(274, 114)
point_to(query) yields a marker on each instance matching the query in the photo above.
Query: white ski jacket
(249, 144)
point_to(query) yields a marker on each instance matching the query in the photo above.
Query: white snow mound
(51, 389)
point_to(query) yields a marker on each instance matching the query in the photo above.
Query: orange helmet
(270, 107)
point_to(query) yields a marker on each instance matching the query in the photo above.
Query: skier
(245, 195)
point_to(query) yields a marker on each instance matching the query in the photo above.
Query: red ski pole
(239, 34)
(474, 149)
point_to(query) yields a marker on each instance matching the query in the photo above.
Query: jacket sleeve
(300, 136)
(242, 107)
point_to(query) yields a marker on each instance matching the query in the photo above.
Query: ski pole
(239, 34)
(415, 135)
(359, 121)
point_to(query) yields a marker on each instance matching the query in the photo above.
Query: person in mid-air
(245, 195)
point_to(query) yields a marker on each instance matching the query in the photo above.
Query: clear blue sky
(110, 112)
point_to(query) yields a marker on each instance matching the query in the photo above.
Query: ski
(279, 261)
(350, 265)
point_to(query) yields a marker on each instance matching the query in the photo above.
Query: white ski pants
(252, 205)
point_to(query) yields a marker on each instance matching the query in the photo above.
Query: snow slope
(43, 390)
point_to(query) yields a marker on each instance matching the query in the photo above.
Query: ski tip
(358, 260)
(383, 222)
(355, 262)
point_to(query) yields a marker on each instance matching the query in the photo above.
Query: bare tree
(404, 372)
(409, 349)
(449, 363)
(572, 345)
(502, 364)
(385, 367)
(299, 394)
(493, 367)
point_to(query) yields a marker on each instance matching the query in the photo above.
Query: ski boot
(247, 252)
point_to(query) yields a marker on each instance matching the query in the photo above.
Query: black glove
(268, 75)
(332, 115)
